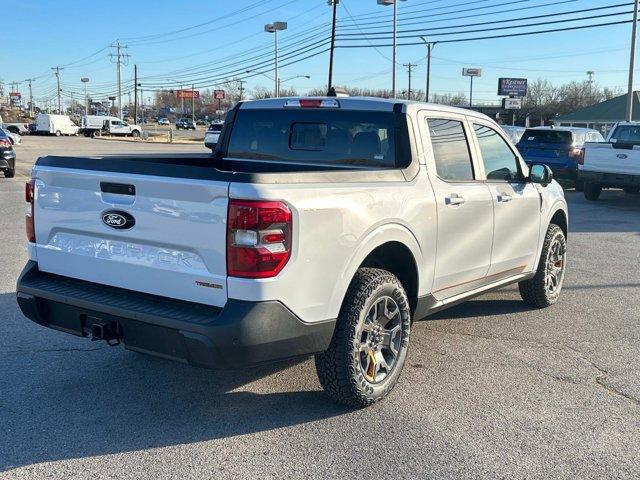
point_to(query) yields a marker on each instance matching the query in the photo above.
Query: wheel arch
(392, 247)
(559, 217)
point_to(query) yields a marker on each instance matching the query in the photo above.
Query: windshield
(546, 136)
(315, 136)
(626, 134)
(215, 127)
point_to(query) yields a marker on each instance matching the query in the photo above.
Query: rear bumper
(614, 180)
(7, 159)
(242, 333)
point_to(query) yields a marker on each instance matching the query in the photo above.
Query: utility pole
(135, 94)
(56, 72)
(241, 83)
(193, 103)
(590, 74)
(85, 80)
(182, 100)
(334, 3)
(632, 61)
(120, 58)
(430, 46)
(410, 67)
(30, 81)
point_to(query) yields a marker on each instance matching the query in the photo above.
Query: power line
(508, 27)
(510, 35)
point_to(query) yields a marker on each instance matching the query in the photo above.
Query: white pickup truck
(319, 226)
(613, 164)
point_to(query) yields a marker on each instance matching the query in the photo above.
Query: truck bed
(206, 167)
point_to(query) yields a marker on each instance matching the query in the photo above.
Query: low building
(601, 116)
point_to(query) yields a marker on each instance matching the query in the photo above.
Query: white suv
(319, 226)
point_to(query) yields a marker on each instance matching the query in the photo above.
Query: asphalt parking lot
(491, 388)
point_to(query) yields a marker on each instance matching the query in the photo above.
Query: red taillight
(29, 196)
(258, 238)
(5, 143)
(578, 154)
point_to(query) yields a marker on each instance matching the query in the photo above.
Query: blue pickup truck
(561, 148)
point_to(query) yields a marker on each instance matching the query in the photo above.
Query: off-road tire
(339, 368)
(10, 173)
(592, 191)
(534, 292)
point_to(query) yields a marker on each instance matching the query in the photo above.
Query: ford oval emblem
(118, 219)
(621, 156)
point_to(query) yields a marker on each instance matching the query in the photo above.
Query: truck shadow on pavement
(64, 397)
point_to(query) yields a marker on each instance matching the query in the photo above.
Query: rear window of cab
(324, 137)
(547, 136)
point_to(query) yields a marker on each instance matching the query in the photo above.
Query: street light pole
(632, 61)
(334, 3)
(274, 28)
(395, 35)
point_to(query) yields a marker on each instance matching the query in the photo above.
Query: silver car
(15, 138)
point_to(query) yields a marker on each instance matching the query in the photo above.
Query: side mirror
(539, 173)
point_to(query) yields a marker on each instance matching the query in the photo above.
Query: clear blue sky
(197, 40)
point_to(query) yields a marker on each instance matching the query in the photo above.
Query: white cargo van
(55, 125)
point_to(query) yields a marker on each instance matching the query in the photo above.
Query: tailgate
(550, 153)
(609, 158)
(173, 243)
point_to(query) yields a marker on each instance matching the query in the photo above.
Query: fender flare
(377, 236)
(559, 205)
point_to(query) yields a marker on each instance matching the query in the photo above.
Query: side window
(450, 149)
(499, 160)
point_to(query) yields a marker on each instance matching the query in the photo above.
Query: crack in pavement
(599, 380)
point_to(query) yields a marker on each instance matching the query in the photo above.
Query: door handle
(504, 197)
(453, 199)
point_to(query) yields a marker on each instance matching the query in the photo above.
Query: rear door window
(316, 137)
(450, 150)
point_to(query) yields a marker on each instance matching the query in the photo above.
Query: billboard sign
(471, 72)
(188, 94)
(512, 87)
(219, 94)
(512, 103)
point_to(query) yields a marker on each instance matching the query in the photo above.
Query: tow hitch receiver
(110, 332)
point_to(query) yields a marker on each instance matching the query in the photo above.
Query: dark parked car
(561, 148)
(7, 156)
(185, 124)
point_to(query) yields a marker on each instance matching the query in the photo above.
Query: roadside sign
(512, 87)
(512, 103)
(188, 94)
(471, 72)
(219, 94)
